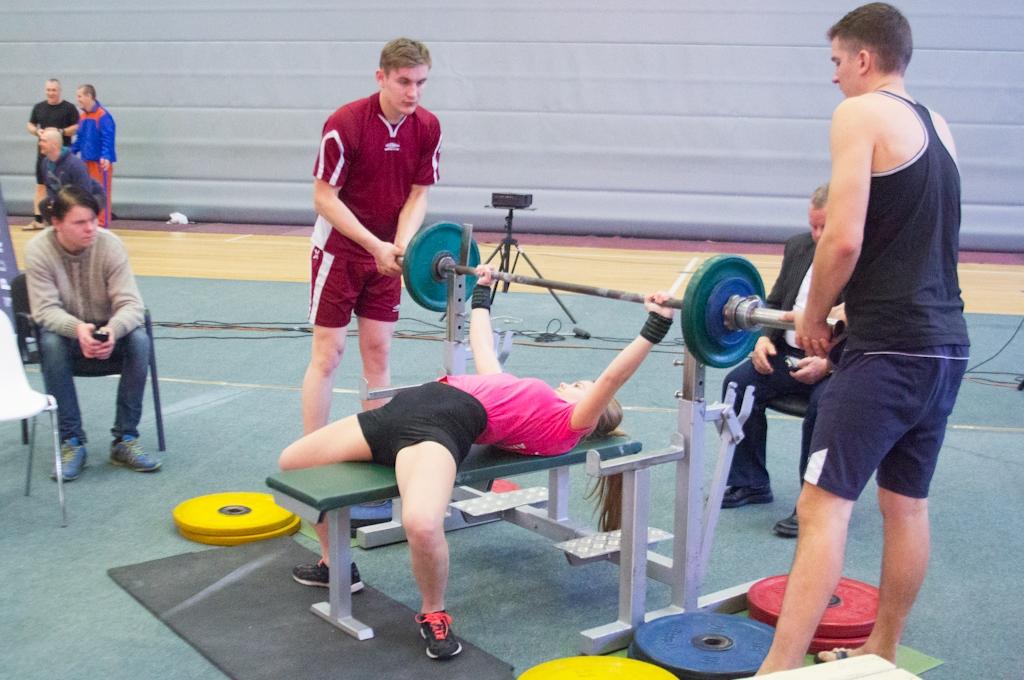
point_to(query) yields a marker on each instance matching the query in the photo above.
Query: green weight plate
(710, 287)
(426, 287)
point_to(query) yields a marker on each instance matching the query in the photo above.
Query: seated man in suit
(84, 297)
(777, 367)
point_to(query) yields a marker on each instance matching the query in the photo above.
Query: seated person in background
(61, 168)
(768, 372)
(84, 298)
(425, 433)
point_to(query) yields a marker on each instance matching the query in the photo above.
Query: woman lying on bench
(425, 432)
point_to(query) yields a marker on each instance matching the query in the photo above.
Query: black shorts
(40, 169)
(432, 412)
(885, 411)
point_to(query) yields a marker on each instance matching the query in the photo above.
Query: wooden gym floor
(991, 282)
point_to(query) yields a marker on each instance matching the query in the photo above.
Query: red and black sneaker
(436, 629)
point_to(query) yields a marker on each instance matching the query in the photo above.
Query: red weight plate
(764, 599)
(851, 614)
(503, 486)
(827, 644)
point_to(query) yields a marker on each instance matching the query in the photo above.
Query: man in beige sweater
(84, 297)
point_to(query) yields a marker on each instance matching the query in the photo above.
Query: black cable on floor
(1000, 351)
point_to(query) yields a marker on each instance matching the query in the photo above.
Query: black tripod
(507, 264)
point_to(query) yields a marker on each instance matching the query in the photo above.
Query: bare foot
(837, 654)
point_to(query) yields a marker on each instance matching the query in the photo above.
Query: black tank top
(904, 292)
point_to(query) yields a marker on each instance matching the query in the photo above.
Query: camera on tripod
(513, 201)
(507, 263)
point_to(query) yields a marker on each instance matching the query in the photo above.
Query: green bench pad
(328, 487)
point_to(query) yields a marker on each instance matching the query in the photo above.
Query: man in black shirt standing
(52, 112)
(891, 247)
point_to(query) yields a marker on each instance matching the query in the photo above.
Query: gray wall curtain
(697, 119)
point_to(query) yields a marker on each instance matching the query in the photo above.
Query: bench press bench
(329, 491)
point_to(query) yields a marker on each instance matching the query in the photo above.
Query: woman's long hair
(607, 491)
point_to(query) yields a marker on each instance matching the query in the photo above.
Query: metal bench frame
(327, 492)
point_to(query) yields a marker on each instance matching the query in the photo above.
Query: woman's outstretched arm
(481, 333)
(593, 403)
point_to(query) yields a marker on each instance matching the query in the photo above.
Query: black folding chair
(790, 404)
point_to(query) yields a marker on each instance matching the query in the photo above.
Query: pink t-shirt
(524, 415)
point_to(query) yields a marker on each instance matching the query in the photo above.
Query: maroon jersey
(374, 164)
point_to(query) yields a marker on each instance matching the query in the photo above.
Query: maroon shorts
(341, 286)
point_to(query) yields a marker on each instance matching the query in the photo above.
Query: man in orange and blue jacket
(95, 143)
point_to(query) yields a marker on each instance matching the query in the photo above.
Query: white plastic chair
(19, 401)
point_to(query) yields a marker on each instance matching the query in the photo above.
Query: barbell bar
(447, 265)
(740, 313)
(719, 312)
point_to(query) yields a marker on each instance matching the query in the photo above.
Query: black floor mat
(240, 608)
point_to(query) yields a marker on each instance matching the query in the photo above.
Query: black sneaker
(318, 575)
(436, 629)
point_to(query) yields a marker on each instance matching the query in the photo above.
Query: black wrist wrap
(655, 328)
(481, 298)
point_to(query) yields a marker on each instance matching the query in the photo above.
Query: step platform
(495, 502)
(601, 545)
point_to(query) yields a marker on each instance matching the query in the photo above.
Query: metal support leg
(558, 494)
(154, 380)
(31, 450)
(730, 433)
(689, 489)
(58, 464)
(636, 491)
(338, 609)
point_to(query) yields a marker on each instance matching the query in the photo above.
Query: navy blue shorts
(431, 412)
(885, 411)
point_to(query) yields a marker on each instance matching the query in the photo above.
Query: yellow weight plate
(241, 513)
(587, 667)
(289, 528)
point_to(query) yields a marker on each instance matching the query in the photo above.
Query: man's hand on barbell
(813, 336)
(386, 256)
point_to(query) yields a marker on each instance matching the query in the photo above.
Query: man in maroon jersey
(377, 158)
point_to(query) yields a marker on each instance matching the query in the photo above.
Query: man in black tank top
(891, 249)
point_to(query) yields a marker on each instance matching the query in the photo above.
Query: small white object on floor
(177, 218)
(866, 666)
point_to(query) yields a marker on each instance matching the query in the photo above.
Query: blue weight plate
(727, 339)
(702, 318)
(375, 511)
(703, 645)
(368, 514)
